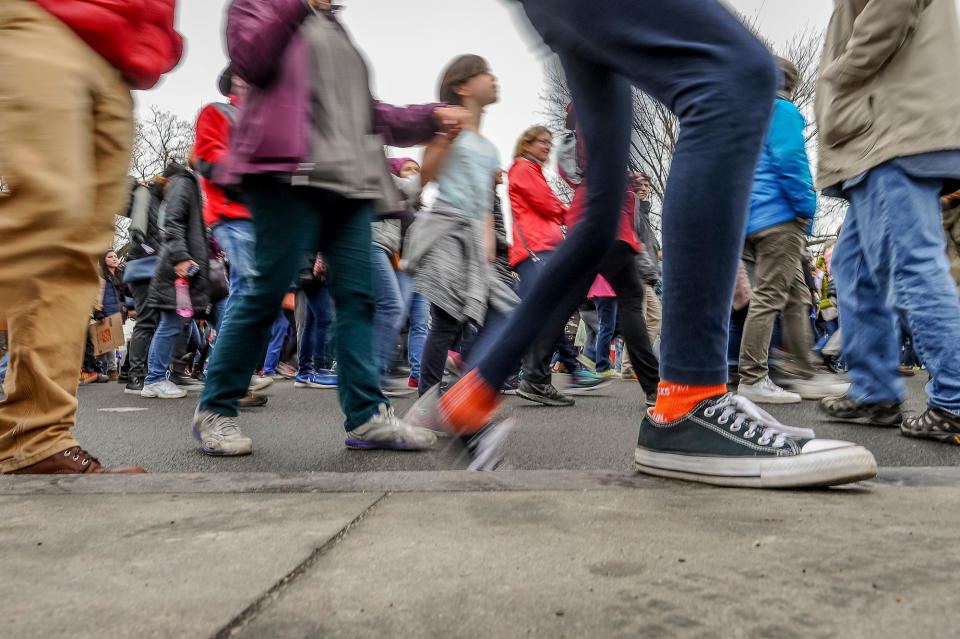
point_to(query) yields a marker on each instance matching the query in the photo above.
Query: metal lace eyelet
(749, 434)
(85, 462)
(736, 428)
(763, 441)
(66, 453)
(76, 457)
(723, 420)
(709, 412)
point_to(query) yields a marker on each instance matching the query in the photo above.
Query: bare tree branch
(656, 130)
(159, 138)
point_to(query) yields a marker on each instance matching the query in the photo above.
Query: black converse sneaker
(933, 423)
(728, 440)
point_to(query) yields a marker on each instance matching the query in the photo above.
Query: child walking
(451, 248)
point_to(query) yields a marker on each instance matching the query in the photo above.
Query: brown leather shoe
(72, 461)
(252, 400)
(906, 371)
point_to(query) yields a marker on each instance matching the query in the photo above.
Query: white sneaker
(219, 435)
(486, 446)
(163, 390)
(259, 382)
(384, 430)
(766, 392)
(817, 387)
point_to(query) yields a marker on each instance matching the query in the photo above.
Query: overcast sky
(407, 44)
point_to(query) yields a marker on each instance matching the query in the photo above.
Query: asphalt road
(301, 430)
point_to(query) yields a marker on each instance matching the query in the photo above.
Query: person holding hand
(307, 156)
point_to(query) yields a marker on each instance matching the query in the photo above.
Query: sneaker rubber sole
(809, 470)
(578, 390)
(542, 399)
(152, 395)
(358, 444)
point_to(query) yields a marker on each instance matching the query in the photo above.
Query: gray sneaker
(219, 434)
(384, 430)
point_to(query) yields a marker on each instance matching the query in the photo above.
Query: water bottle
(184, 304)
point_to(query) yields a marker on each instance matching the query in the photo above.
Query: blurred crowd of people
(289, 246)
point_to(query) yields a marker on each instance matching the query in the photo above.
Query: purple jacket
(273, 132)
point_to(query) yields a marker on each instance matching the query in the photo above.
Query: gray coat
(444, 253)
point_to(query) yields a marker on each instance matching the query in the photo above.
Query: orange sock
(676, 400)
(469, 404)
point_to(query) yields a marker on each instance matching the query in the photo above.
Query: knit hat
(397, 163)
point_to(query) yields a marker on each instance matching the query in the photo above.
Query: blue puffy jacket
(782, 185)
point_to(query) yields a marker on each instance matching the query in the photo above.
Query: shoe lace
(226, 426)
(758, 421)
(80, 455)
(387, 416)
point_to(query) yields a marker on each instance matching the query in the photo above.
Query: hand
(451, 120)
(182, 268)
(131, 315)
(318, 266)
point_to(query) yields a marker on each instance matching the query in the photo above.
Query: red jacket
(625, 229)
(537, 211)
(209, 150)
(135, 36)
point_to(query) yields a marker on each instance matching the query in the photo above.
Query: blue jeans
(389, 310)
(278, 334)
(599, 350)
(161, 348)
(4, 362)
(417, 308)
(830, 327)
(238, 240)
(316, 326)
(890, 261)
(703, 64)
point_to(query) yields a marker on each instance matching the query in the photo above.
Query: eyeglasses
(546, 141)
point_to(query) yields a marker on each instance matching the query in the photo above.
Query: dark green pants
(291, 222)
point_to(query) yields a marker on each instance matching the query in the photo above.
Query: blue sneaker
(585, 381)
(315, 380)
(324, 380)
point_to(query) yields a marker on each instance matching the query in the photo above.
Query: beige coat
(888, 84)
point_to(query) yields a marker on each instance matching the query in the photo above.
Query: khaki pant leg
(652, 313)
(777, 250)
(65, 134)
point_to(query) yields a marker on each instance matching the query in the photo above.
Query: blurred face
(111, 260)
(642, 188)
(409, 168)
(540, 147)
(482, 88)
(239, 87)
(498, 177)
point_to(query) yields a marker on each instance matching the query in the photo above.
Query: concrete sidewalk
(456, 554)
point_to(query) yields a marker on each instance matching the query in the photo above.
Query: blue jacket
(782, 185)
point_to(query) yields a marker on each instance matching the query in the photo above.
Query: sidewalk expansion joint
(267, 599)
